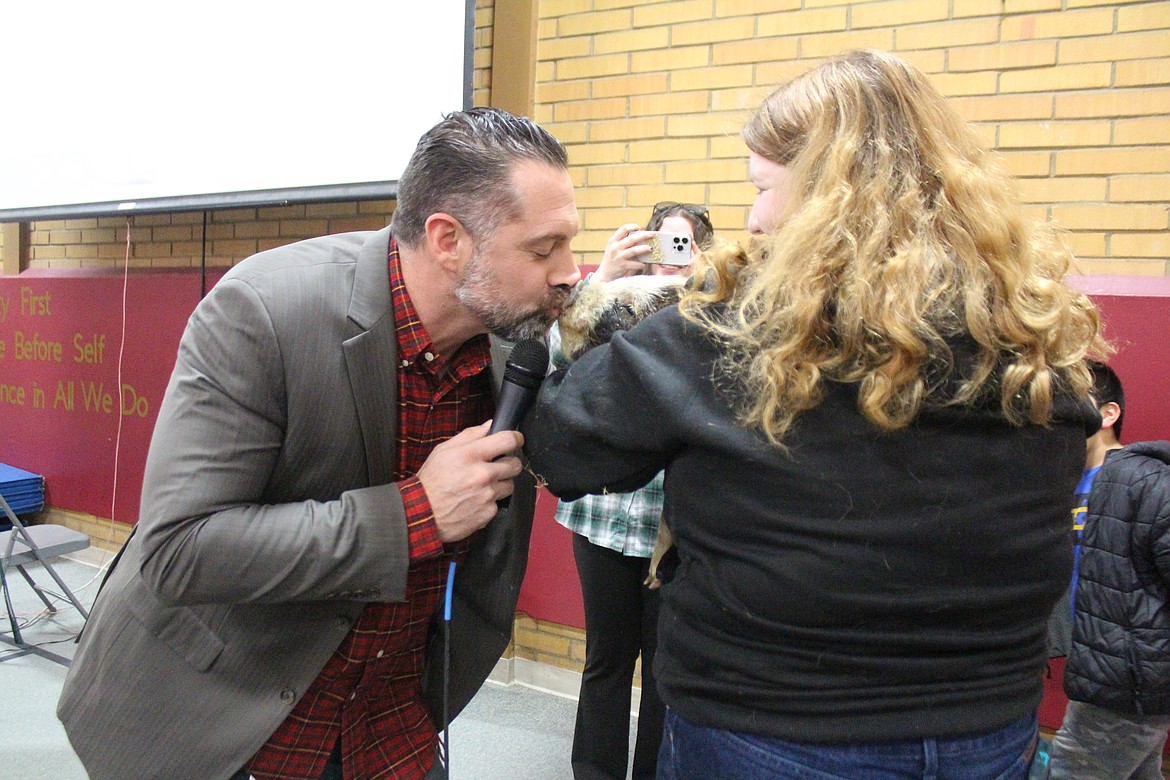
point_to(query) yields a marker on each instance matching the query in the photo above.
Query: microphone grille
(527, 364)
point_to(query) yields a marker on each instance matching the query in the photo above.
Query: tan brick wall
(177, 240)
(548, 643)
(104, 534)
(649, 98)
(552, 644)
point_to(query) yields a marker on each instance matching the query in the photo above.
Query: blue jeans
(691, 752)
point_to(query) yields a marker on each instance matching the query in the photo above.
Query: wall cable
(121, 353)
(203, 260)
(109, 539)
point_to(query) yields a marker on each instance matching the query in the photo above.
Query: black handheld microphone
(523, 373)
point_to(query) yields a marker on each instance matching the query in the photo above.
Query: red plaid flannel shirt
(369, 692)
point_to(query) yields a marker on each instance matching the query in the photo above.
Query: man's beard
(480, 291)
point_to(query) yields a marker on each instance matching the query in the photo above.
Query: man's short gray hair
(462, 167)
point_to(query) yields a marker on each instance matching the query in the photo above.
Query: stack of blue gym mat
(23, 490)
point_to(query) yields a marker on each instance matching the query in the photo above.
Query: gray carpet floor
(508, 732)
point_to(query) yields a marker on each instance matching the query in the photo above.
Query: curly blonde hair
(903, 262)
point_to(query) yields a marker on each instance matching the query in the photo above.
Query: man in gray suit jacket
(276, 514)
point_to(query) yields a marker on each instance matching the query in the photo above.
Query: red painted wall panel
(72, 400)
(551, 590)
(1136, 315)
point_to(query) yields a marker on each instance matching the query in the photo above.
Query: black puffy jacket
(1120, 656)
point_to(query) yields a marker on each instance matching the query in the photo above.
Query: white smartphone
(671, 249)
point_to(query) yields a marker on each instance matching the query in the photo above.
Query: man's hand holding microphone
(470, 476)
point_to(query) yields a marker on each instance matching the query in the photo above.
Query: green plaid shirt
(625, 522)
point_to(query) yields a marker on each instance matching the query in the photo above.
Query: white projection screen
(130, 106)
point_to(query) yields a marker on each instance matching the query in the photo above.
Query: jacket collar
(369, 300)
(1159, 450)
(371, 358)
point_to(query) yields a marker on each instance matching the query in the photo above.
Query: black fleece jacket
(860, 587)
(1120, 656)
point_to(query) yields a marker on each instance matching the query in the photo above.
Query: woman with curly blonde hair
(871, 423)
(902, 236)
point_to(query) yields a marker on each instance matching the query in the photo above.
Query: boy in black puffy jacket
(1118, 672)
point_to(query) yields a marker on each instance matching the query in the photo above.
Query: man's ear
(1109, 414)
(447, 241)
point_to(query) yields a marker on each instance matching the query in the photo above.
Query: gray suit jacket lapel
(371, 358)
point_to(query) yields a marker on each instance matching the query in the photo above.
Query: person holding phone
(613, 536)
(630, 250)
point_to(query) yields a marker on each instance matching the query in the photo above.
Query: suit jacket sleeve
(219, 522)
